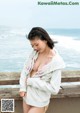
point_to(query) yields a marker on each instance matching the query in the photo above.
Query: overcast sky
(27, 13)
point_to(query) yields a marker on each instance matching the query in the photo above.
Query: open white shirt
(45, 82)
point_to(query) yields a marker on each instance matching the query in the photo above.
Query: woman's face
(38, 44)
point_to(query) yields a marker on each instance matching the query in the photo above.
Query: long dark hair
(42, 34)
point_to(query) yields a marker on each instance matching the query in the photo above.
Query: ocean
(15, 48)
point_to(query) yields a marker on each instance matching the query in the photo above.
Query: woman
(41, 75)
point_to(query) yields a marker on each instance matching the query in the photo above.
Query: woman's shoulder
(58, 61)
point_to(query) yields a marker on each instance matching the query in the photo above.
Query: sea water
(15, 48)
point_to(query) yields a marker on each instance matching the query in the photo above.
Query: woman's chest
(40, 62)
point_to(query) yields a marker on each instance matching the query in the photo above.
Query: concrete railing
(69, 94)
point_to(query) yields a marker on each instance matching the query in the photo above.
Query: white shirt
(44, 83)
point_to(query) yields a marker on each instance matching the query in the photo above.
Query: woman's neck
(48, 52)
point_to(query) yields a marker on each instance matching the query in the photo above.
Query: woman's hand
(22, 93)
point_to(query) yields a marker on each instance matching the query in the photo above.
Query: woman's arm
(52, 87)
(24, 73)
(22, 80)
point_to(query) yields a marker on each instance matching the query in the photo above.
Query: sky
(27, 13)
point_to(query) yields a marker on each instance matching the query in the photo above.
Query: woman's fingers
(22, 94)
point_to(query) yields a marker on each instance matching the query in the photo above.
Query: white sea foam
(21, 32)
(67, 42)
(15, 49)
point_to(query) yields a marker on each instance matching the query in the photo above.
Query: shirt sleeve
(24, 73)
(22, 80)
(53, 86)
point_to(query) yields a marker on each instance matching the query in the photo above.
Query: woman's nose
(35, 48)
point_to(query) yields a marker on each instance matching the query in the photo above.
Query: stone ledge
(71, 89)
(7, 78)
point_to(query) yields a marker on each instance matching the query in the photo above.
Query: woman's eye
(36, 45)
